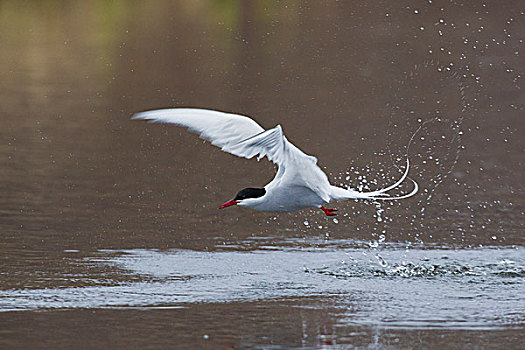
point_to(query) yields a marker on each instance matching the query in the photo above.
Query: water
(474, 289)
(419, 288)
(110, 234)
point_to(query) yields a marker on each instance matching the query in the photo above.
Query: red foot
(329, 212)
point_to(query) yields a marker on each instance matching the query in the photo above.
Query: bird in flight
(299, 182)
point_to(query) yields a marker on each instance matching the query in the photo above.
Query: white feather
(298, 184)
(223, 130)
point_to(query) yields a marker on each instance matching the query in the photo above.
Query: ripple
(448, 288)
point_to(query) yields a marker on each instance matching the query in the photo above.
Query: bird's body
(299, 182)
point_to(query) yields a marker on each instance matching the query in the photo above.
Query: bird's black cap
(249, 193)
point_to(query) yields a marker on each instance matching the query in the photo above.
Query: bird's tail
(339, 193)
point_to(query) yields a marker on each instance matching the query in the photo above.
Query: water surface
(110, 234)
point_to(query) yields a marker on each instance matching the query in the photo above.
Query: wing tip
(139, 115)
(145, 116)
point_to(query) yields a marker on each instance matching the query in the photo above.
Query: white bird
(299, 182)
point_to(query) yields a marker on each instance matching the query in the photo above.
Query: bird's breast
(285, 199)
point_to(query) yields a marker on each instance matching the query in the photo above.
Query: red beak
(228, 204)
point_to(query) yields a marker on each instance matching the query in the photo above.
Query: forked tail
(339, 193)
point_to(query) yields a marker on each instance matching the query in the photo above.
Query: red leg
(329, 212)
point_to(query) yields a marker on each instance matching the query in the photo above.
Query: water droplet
(381, 261)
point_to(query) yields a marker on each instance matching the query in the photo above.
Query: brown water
(110, 236)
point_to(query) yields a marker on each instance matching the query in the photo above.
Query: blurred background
(349, 81)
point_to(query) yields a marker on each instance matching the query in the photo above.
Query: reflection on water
(444, 288)
(120, 218)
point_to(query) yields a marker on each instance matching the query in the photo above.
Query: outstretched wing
(221, 129)
(233, 133)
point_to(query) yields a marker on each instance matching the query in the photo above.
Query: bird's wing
(221, 129)
(233, 133)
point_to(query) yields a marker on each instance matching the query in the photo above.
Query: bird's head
(244, 197)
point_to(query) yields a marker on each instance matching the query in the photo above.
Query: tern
(299, 182)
